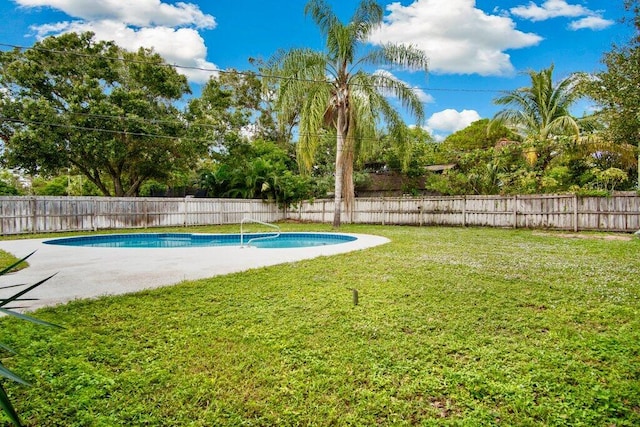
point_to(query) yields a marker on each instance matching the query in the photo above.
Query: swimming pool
(186, 240)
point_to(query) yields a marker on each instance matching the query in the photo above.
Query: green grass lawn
(454, 326)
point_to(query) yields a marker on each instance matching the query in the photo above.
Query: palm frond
(342, 45)
(28, 318)
(408, 57)
(367, 16)
(322, 15)
(15, 264)
(371, 100)
(16, 296)
(312, 119)
(389, 85)
(5, 402)
(7, 407)
(542, 110)
(10, 375)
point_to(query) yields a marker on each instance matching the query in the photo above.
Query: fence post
(464, 210)
(352, 211)
(324, 208)
(34, 215)
(93, 213)
(144, 214)
(384, 214)
(515, 211)
(575, 213)
(184, 222)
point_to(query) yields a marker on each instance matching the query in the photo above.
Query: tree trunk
(339, 175)
(348, 191)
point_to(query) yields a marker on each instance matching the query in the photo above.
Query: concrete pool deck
(90, 272)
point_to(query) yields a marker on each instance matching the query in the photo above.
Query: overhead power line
(137, 134)
(88, 128)
(242, 73)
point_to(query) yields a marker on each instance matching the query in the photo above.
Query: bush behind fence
(621, 212)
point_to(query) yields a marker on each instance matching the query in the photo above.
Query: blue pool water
(185, 240)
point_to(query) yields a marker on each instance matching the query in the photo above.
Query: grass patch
(6, 259)
(455, 326)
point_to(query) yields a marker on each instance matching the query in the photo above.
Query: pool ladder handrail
(247, 219)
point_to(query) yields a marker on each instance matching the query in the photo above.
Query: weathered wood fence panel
(620, 212)
(53, 214)
(563, 212)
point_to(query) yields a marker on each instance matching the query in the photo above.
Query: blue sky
(477, 48)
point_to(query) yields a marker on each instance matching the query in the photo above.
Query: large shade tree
(330, 90)
(76, 104)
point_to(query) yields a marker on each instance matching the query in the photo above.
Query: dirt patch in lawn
(625, 237)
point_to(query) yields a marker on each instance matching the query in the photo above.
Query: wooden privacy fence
(620, 212)
(563, 212)
(51, 214)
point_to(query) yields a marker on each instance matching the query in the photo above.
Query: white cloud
(561, 9)
(456, 36)
(549, 9)
(171, 30)
(140, 13)
(423, 96)
(591, 23)
(450, 120)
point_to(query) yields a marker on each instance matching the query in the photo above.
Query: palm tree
(328, 90)
(540, 112)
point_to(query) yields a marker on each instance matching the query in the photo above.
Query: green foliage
(53, 187)
(418, 151)
(478, 135)
(153, 187)
(9, 184)
(554, 152)
(226, 106)
(6, 309)
(454, 327)
(542, 111)
(616, 92)
(88, 105)
(257, 169)
(610, 178)
(556, 179)
(8, 189)
(63, 185)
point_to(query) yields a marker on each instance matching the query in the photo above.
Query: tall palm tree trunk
(339, 178)
(348, 190)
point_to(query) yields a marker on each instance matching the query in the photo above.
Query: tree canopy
(478, 135)
(71, 102)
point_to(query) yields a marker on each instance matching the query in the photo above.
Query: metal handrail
(247, 219)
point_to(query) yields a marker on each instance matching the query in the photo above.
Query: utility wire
(88, 128)
(236, 72)
(155, 121)
(139, 134)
